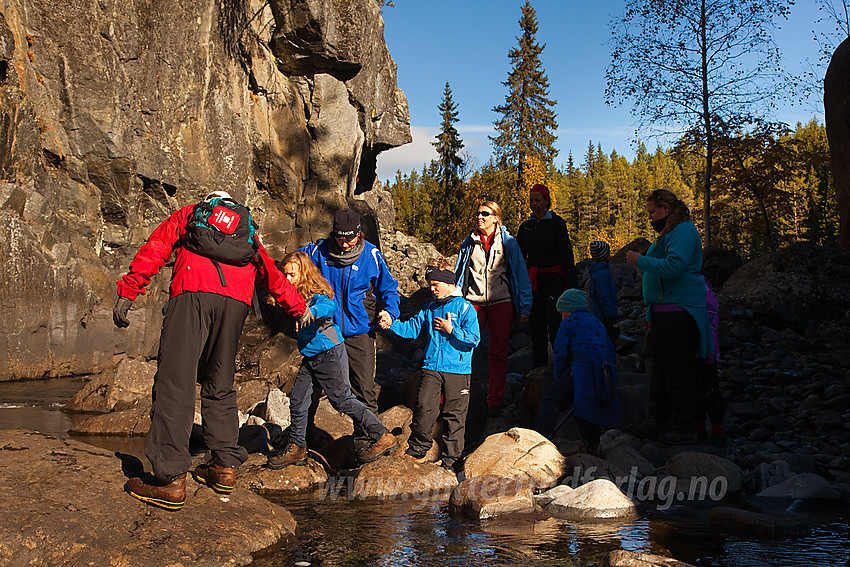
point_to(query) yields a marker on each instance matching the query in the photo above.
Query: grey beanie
(599, 250)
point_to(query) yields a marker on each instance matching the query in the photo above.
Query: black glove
(306, 319)
(119, 312)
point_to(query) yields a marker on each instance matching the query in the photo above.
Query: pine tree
(446, 208)
(526, 129)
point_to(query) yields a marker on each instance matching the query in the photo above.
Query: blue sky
(466, 43)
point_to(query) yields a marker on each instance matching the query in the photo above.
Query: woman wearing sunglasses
(491, 275)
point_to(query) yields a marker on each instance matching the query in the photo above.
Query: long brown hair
(679, 211)
(310, 279)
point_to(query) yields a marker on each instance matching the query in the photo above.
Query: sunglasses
(483, 213)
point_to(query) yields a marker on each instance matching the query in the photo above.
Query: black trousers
(673, 387)
(454, 390)
(362, 357)
(200, 335)
(544, 319)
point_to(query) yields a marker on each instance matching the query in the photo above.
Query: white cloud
(410, 156)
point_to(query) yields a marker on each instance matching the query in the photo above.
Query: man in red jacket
(208, 303)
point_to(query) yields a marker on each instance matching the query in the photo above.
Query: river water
(341, 533)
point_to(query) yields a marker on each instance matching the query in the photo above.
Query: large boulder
(48, 524)
(115, 114)
(396, 477)
(836, 105)
(798, 283)
(124, 386)
(489, 496)
(520, 454)
(597, 500)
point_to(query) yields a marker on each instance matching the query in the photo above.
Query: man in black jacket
(548, 253)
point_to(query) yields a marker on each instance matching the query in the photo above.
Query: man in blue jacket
(362, 285)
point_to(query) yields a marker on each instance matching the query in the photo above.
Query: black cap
(346, 224)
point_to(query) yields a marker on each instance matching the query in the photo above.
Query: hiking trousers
(200, 335)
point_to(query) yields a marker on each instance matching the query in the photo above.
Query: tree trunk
(836, 103)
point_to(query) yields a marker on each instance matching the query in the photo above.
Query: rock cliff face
(113, 114)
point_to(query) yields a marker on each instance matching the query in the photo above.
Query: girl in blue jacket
(452, 327)
(325, 360)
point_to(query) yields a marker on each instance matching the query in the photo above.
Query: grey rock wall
(113, 114)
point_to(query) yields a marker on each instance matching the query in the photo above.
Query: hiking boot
(386, 444)
(415, 458)
(292, 455)
(221, 479)
(169, 496)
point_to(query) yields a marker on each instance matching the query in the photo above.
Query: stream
(340, 533)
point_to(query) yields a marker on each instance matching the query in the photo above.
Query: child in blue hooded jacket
(585, 373)
(325, 361)
(453, 333)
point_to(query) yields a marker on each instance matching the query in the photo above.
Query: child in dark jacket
(325, 360)
(452, 326)
(602, 291)
(585, 373)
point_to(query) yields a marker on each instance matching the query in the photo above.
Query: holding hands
(384, 320)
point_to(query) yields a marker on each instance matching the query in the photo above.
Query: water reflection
(379, 534)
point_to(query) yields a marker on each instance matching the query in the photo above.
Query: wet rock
(599, 499)
(623, 558)
(748, 522)
(490, 496)
(46, 523)
(395, 477)
(805, 486)
(119, 388)
(693, 466)
(552, 494)
(521, 454)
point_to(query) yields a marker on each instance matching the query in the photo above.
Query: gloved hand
(306, 319)
(119, 312)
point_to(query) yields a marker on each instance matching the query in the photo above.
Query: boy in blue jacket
(452, 326)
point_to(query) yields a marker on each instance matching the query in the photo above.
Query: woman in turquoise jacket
(674, 292)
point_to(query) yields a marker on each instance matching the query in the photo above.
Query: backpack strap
(220, 273)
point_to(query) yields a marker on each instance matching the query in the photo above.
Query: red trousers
(498, 318)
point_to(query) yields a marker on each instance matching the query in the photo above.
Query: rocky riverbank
(784, 377)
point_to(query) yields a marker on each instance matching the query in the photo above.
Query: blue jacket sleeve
(519, 275)
(465, 332)
(411, 328)
(322, 306)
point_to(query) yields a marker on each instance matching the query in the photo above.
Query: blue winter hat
(571, 300)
